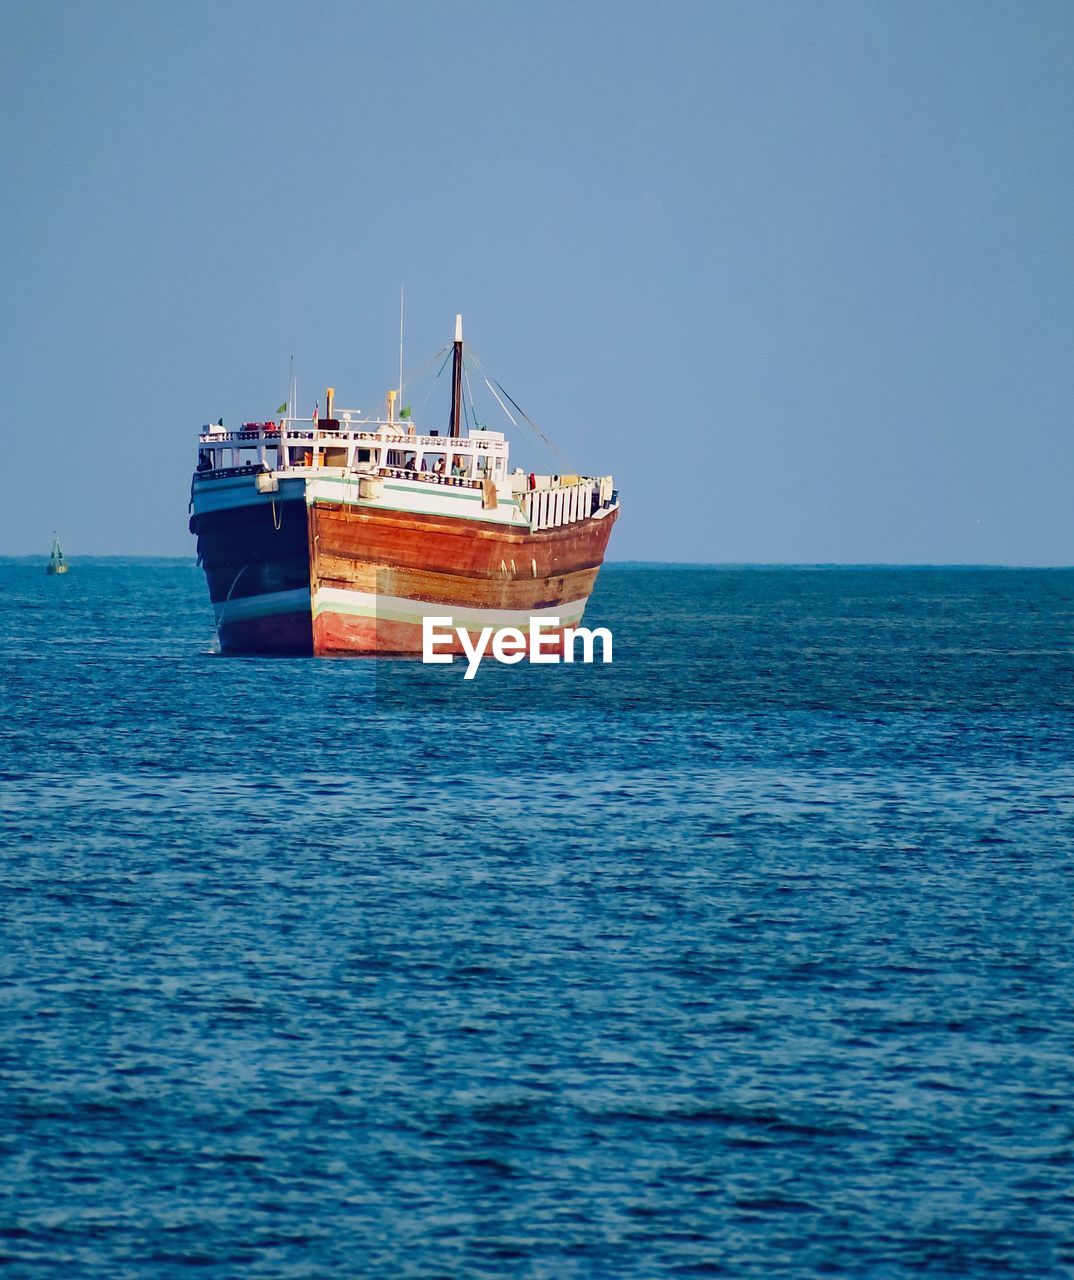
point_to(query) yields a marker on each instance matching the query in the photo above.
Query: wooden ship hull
(375, 576)
(293, 574)
(254, 549)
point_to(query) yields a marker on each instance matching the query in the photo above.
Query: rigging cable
(427, 365)
(533, 426)
(466, 377)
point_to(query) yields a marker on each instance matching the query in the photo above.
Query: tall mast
(400, 346)
(456, 380)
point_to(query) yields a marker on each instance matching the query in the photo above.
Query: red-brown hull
(444, 544)
(376, 573)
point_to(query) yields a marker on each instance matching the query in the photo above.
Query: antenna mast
(400, 346)
(456, 380)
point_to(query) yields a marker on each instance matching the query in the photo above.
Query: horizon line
(652, 564)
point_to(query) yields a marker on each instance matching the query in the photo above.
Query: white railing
(552, 508)
(367, 429)
(302, 443)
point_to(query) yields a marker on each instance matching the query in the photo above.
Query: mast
(456, 380)
(400, 346)
(281, 453)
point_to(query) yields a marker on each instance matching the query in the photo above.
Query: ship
(56, 562)
(340, 535)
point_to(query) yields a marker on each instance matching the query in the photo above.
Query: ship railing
(237, 437)
(567, 504)
(409, 444)
(393, 473)
(222, 473)
(429, 477)
(304, 429)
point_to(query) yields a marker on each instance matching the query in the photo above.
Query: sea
(749, 954)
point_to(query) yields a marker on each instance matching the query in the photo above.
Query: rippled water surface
(749, 955)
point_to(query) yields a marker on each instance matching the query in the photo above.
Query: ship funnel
(329, 397)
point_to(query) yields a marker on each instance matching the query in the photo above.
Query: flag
(315, 408)
(405, 413)
(282, 408)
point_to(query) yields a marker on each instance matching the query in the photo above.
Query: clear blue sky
(799, 274)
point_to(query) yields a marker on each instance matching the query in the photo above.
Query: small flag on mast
(282, 408)
(316, 407)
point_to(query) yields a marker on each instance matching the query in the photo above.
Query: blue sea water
(749, 955)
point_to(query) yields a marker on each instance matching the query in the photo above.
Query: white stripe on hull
(263, 606)
(367, 604)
